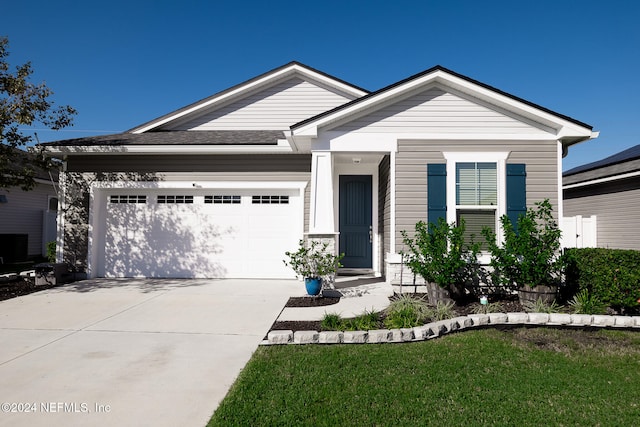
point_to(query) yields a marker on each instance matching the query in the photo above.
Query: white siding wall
(275, 108)
(23, 214)
(437, 111)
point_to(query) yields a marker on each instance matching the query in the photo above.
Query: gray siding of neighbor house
(23, 214)
(276, 107)
(617, 207)
(384, 208)
(412, 158)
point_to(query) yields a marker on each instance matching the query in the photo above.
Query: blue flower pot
(313, 285)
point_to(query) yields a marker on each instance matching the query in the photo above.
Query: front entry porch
(344, 209)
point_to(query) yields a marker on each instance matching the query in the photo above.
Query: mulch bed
(509, 304)
(310, 301)
(20, 287)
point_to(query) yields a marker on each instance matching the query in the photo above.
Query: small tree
(531, 255)
(439, 254)
(23, 103)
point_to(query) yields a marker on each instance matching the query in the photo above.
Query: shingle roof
(623, 156)
(211, 137)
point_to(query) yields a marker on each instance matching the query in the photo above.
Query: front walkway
(358, 295)
(130, 352)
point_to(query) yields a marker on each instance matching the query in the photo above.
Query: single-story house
(610, 190)
(224, 186)
(28, 218)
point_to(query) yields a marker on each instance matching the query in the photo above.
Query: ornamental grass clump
(366, 321)
(540, 306)
(586, 303)
(442, 311)
(331, 322)
(491, 307)
(406, 311)
(530, 252)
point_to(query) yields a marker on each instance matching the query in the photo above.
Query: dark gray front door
(355, 220)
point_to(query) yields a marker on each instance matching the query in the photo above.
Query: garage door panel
(200, 239)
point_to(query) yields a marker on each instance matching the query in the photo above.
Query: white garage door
(202, 233)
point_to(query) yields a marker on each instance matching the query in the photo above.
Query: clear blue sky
(122, 63)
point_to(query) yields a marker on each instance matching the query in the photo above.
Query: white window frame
(497, 157)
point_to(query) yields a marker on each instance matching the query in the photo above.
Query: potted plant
(313, 262)
(439, 254)
(529, 258)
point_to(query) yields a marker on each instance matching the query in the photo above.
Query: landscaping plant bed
(20, 287)
(508, 304)
(311, 301)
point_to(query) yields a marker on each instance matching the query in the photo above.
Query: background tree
(23, 103)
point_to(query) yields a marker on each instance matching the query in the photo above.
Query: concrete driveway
(130, 352)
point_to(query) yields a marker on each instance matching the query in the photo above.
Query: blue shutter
(436, 192)
(516, 192)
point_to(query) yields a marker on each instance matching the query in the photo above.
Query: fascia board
(229, 96)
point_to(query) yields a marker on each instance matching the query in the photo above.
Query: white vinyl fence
(579, 232)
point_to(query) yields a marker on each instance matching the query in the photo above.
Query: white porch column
(321, 219)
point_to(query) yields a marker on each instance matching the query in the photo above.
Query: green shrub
(530, 255)
(439, 254)
(313, 260)
(51, 251)
(610, 275)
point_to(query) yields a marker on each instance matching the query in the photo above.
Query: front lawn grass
(521, 377)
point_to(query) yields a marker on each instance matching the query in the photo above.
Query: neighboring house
(610, 190)
(28, 219)
(223, 187)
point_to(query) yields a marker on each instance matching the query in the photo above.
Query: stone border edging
(443, 327)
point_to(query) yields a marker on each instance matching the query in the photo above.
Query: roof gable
(292, 78)
(440, 110)
(566, 128)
